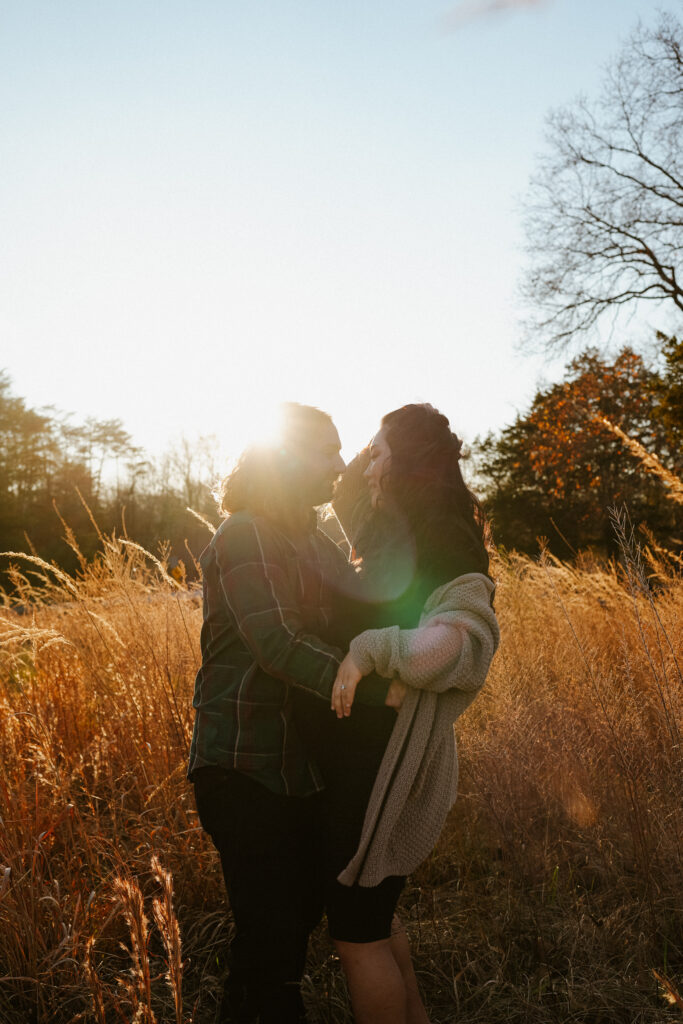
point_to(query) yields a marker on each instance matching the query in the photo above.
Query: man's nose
(339, 465)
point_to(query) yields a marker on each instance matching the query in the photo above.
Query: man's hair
(269, 479)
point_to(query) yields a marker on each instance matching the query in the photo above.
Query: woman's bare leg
(381, 980)
(376, 986)
(400, 947)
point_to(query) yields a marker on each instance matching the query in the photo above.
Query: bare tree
(191, 468)
(605, 210)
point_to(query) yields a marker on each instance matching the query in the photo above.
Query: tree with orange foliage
(669, 393)
(556, 470)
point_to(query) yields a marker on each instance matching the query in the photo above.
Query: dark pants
(269, 847)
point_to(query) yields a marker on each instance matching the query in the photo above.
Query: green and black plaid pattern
(267, 600)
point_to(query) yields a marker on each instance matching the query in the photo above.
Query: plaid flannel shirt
(268, 599)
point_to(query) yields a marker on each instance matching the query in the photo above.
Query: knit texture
(444, 663)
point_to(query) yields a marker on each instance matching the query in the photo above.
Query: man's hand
(395, 694)
(344, 689)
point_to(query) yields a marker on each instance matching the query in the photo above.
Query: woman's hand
(395, 694)
(344, 689)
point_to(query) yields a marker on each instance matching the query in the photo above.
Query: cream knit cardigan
(444, 662)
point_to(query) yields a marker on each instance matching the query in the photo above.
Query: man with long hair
(270, 577)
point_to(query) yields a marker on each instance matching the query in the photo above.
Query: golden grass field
(555, 893)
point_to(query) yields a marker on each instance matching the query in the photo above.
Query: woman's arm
(424, 655)
(451, 650)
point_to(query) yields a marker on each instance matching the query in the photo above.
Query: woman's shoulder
(470, 588)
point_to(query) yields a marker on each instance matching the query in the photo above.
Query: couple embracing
(323, 754)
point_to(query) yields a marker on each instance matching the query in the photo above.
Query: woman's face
(378, 466)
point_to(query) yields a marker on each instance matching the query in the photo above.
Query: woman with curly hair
(390, 779)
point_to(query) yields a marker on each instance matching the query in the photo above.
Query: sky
(207, 207)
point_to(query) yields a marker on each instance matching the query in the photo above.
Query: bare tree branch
(603, 215)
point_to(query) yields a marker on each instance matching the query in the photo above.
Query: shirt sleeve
(263, 602)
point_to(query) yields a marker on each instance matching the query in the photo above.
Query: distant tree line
(552, 473)
(91, 476)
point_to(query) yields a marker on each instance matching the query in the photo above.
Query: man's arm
(356, 614)
(262, 600)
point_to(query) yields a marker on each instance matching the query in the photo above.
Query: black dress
(349, 751)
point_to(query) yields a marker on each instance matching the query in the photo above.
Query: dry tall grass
(554, 895)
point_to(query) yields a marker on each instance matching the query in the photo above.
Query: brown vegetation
(553, 895)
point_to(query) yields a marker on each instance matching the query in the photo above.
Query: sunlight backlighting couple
(323, 756)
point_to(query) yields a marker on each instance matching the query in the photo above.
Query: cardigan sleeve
(453, 647)
(422, 657)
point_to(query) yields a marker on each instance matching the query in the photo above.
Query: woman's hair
(269, 479)
(424, 484)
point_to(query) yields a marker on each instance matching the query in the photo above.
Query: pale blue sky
(206, 207)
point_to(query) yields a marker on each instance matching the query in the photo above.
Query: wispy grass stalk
(648, 460)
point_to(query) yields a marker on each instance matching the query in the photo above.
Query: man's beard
(323, 492)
